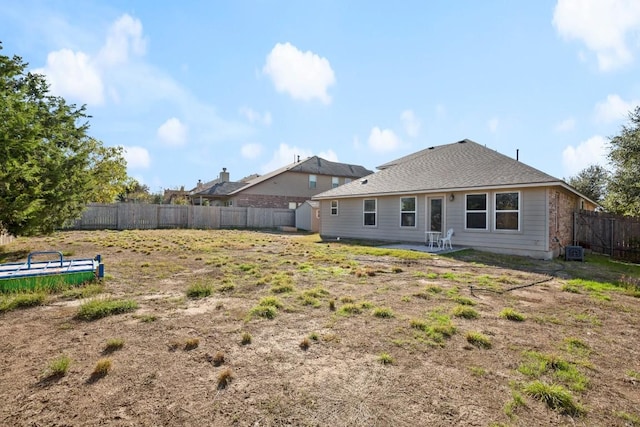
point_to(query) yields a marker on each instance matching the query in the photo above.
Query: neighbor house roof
(312, 165)
(221, 189)
(464, 165)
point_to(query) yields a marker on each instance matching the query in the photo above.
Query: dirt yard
(340, 335)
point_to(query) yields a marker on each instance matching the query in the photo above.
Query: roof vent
(464, 141)
(431, 148)
(364, 181)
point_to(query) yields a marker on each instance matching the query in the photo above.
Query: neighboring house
(171, 197)
(491, 201)
(287, 187)
(308, 216)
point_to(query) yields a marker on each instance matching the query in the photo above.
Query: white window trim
(335, 182)
(496, 211)
(331, 208)
(414, 212)
(374, 212)
(314, 180)
(486, 212)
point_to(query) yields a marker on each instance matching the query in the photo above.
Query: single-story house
(491, 201)
(286, 187)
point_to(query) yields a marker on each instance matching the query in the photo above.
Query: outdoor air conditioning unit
(574, 253)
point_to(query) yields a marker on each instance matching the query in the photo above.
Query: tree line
(617, 189)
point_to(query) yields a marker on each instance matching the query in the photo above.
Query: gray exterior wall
(531, 240)
(278, 191)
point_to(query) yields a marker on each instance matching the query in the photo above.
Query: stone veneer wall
(562, 205)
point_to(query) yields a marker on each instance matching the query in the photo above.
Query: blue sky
(194, 86)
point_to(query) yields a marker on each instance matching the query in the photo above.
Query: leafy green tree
(592, 182)
(49, 166)
(135, 192)
(108, 169)
(624, 187)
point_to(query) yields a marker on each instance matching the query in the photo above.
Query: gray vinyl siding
(532, 235)
(532, 238)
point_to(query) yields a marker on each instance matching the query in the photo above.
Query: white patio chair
(442, 243)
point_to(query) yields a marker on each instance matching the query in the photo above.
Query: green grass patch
(58, 367)
(511, 314)
(317, 292)
(270, 301)
(517, 401)
(21, 300)
(577, 346)
(436, 328)
(113, 344)
(465, 312)
(541, 365)
(199, 290)
(631, 419)
(283, 288)
(349, 309)
(308, 300)
(477, 371)
(385, 359)
(383, 312)
(463, 300)
(99, 308)
(478, 339)
(555, 396)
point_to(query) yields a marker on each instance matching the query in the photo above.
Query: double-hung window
(508, 211)
(313, 181)
(476, 211)
(370, 212)
(335, 181)
(334, 207)
(407, 212)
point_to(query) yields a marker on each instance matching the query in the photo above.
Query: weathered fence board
(609, 234)
(126, 216)
(5, 238)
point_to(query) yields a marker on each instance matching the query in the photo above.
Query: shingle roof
(461, 165)
(221, 189)
(313, 165)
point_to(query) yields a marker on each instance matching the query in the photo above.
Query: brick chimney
(224, 175)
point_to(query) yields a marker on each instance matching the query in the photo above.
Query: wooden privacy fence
(127, 216)
(605, 233)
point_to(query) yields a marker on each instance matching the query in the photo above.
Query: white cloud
(383, 140)
(329, 155)
(173, 132)
(73, 75)
(566, 125)
(493, 124)
(614, 109)
(286, 154)
(589, 152)
(255, 117)
(303, 75)
(137, 157)
(251, 151)
(604, 26)
(411, 123)
(125, 37)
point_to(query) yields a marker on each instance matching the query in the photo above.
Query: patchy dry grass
(374, 322)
